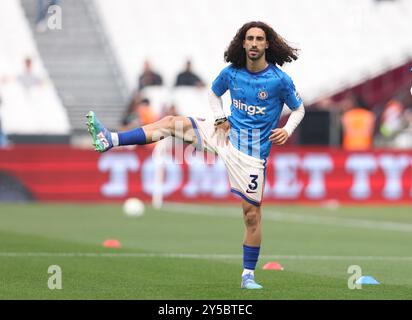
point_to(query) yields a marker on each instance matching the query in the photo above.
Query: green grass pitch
(194, 252)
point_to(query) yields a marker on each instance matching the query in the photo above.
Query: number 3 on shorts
(253, 183)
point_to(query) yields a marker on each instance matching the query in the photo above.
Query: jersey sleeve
(289, 94)
(221, 83)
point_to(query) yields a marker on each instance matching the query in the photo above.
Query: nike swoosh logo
(248, 191)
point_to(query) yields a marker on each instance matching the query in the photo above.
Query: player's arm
(219, 86)
(280, 135)
(216, 105)
(221, 124)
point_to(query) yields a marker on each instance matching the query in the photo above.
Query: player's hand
(279, 136)
(222, 133)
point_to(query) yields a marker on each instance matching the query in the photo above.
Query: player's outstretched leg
(251, 245)
(177, 126)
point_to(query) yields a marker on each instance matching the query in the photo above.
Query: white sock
(248, 271)
(115, 139)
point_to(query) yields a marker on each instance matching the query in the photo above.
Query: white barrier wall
(37, 110)
(341, 41)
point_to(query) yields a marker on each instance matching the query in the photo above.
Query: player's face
(255, 43)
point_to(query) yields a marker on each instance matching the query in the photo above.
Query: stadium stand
(95, 59)
(26, 110)
(333, 58)
(81, 64)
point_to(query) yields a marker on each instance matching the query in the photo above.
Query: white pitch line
(269, 214)
(196, 256)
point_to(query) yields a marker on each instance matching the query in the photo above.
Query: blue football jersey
(256, 104)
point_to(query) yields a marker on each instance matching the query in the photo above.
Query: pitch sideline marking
(291, 217)
(196, 256)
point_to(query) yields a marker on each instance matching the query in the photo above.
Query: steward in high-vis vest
(358, 128)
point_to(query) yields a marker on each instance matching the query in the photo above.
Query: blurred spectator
(42, 9)
(392, 120)
(146, 113)
(131, 118)
(139, 114)
(188, 77)
(170, 111)
(349, 101)
(27, 78)
(396, 125)
(149, 77)
(404, 139)
(358, 124)
(3, 137)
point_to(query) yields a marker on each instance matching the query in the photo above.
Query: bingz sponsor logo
(249, 109)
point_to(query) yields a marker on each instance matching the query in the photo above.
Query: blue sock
(135, 136)
(250, 257)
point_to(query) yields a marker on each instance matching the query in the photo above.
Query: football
(133, 207)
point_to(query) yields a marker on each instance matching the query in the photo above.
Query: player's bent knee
(177, 123)
(181, 127)
(169, 122)
(252, 218)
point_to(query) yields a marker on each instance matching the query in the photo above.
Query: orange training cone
(112, 243)
(272, 266)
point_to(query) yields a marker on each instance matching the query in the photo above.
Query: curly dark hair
(278, 52)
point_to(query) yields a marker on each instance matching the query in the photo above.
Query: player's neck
(256, 66)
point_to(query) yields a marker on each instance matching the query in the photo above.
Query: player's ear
(243, 44)
(267, 44)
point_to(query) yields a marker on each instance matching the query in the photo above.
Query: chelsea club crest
(262, 95)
